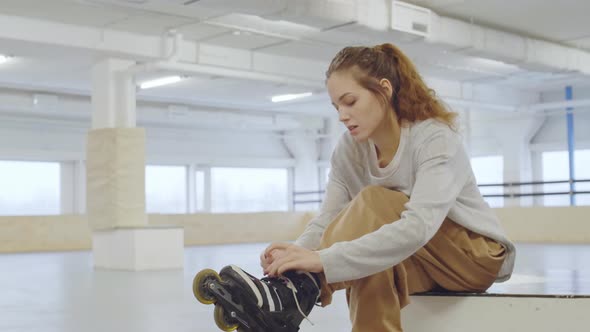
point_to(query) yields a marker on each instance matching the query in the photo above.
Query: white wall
(553, 134)
(58, 132)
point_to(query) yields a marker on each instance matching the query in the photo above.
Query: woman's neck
(386, 139)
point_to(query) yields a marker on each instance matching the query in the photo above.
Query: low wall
(44, 233)
(71, 232)
(202, 229)
(547, 224)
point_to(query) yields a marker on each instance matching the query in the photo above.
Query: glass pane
(582, 172)
(249, 189)
(555, 168)
(29, 188)
(165, 189)
(490, 170)
(583, 199)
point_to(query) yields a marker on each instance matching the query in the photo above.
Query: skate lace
(292, 287)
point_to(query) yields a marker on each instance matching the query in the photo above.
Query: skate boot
(248, 304)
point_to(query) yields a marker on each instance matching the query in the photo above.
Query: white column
(515, 135)
(67, 187)
(73, 187)
(537, 165)
(122, 238)
(335, 129)
(304, 148)
(113, 95)
(207, 190)
(191, 190)
(80, 187)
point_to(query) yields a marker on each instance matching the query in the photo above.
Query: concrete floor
(62, 292)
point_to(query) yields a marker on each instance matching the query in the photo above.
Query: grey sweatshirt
(431, 167)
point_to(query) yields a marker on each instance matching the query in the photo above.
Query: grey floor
(62, 292)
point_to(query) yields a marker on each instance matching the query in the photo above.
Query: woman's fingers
(292, 261)
(267, 259)
(301, 260)
(277, 245)
(292, 265)
(283, 257)
(264, 261)
(273, 268)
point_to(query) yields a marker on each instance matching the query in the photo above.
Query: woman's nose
(343, 116)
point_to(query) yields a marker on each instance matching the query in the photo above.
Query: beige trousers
(455, 259)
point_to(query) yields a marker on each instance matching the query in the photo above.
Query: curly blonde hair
(411, 99)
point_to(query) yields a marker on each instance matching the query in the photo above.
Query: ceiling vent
(411, 19)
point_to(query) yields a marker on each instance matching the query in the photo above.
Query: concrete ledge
(139, 249)
(496, 313)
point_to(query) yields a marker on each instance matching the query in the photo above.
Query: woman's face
(358, 108)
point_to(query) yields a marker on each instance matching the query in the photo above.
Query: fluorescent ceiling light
(160, 82)
(281, 98)
(4, 58)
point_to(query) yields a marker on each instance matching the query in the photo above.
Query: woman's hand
(267, 258)
(282, 257)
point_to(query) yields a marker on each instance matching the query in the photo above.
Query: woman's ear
(386, 84)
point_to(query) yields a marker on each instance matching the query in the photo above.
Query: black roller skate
(248, 304)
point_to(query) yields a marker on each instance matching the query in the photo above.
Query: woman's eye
(350, 103)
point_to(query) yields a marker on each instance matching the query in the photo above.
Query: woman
(402, 212)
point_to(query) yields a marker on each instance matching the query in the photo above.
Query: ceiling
(47, 66)
(562, 21)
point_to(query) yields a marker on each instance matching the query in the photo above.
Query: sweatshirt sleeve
(335, 199)
(442, 171)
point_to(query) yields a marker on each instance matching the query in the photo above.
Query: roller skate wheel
(222, 320)
(202, 285)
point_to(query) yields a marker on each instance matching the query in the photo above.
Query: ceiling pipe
(376, 16)
(556, 105)
(170, 63)
(198, 69)
(459, 36)
(473, 104)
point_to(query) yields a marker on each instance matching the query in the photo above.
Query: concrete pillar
(113, 95)
(537, 161)
(515, 134)
(334, 130)
(73, 187)
(116, 180)
(304, 148)
(67, 187)
(80, 187)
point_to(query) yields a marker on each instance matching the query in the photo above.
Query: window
(556, 168)
(29, 188)
(249, 189)
(582, 172)
(166, 189)
(490, 170)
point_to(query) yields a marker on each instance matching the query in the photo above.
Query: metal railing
(511, 187)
